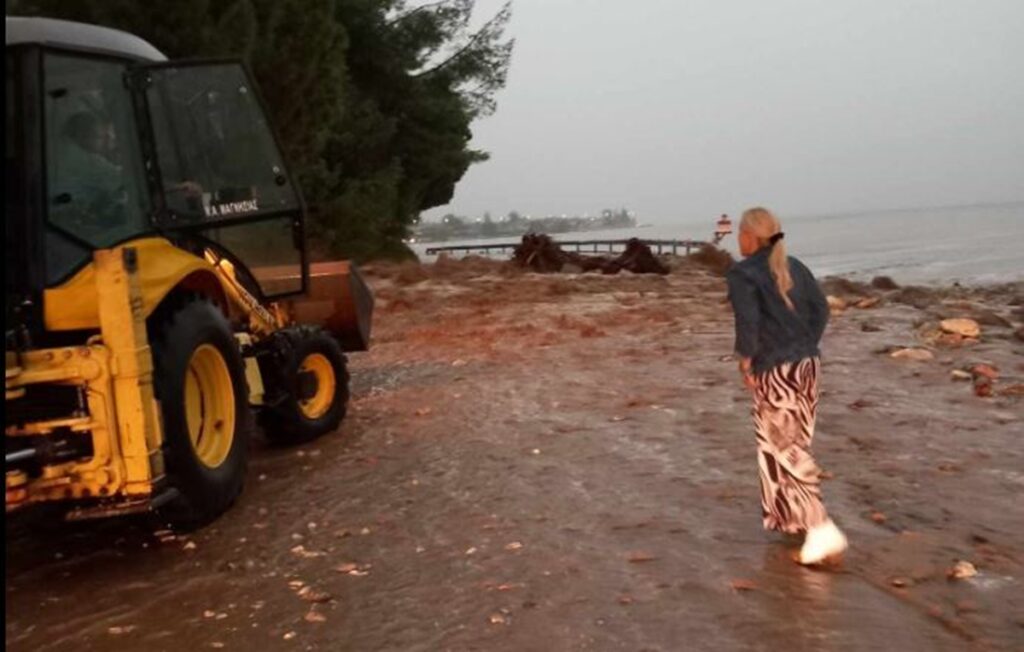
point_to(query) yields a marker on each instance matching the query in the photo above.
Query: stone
(962, 570)
(918, 297)
(982, 386)
(984, 370)
(839, 286)
(315, 617)
(917, 355)
(869, 302)
(309, 594)
(884, 283)
(961, 327)
(835, 304)
(960, 374)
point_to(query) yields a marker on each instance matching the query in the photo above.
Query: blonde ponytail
(763, 225)
(778, 263)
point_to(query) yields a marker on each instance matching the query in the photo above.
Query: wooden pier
(674, 247)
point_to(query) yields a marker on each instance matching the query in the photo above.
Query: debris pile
(717, 260)
(884, 283)
(540, 253)
(945, 330)
(637, 258)
(843, 294)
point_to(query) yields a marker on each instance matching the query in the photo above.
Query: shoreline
(534, 460)
(863, 276)
(972, 245)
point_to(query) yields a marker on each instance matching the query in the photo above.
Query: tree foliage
(372, 99)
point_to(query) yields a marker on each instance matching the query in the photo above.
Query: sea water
(967, 244)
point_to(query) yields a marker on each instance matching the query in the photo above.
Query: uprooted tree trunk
(539, 253)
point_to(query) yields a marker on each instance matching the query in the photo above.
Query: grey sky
(681, 109)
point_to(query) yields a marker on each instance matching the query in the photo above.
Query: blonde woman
(780, 318)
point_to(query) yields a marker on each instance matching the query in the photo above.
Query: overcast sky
(681, 109)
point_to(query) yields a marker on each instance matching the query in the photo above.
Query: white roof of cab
(79, 36)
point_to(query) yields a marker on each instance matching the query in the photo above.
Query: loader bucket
(337, 299)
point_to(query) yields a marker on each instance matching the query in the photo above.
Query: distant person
(780, 317)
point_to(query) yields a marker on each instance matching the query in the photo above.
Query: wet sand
(567, 463)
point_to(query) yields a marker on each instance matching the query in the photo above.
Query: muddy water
(539, 463)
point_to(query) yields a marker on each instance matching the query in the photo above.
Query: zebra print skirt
(785, 407)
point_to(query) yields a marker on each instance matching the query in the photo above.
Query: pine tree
(372, 100)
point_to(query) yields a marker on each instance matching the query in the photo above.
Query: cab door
(219, 171)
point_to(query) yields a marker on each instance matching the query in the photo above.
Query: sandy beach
(566, 462)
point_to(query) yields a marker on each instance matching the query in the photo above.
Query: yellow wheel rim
(209, 405)
(320, 402)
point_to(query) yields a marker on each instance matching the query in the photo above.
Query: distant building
(722, 228)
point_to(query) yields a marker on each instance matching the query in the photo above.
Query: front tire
(309, 381)
(199, 378)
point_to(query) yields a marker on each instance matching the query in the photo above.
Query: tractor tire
(199, 379)
(310, 379)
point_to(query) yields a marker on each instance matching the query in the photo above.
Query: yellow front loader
(159, 296)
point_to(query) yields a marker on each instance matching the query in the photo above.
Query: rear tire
(199, 378)
(308, 407)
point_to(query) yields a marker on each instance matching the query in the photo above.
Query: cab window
(223, 176)
(95, 183)
(215, 150)
(15, 238)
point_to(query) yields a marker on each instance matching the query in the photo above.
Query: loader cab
(108, 142)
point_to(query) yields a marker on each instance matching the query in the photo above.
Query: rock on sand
(918, 355)
(835, 304)
(961, 327)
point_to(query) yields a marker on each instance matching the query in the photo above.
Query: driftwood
(540, 253)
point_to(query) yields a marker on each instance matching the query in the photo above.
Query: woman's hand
(746, 364)
(750, 382)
